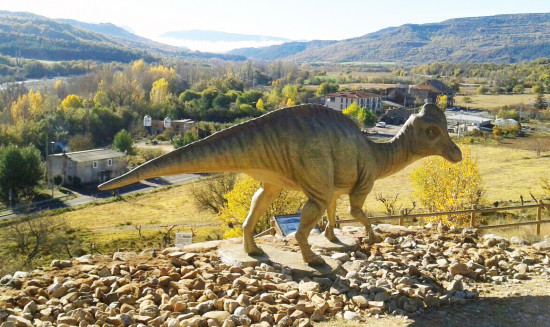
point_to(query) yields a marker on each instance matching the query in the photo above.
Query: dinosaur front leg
(260, 202)
(331, 212)
(310, 215)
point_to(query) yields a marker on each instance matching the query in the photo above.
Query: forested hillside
(31, 36)
(499, 39)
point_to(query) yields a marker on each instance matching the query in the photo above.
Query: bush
(209, 195)
(150, 154)
(124, 142)
(443, 186)
(235, 211)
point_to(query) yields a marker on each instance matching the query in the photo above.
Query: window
(109, 162)
(332, 99)
(94, 164)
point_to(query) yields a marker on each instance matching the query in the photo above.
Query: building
(430, 90)
(179, 126)
(426, 92)
(341, 100)
(86, 167)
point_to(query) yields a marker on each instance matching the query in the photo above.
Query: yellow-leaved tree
(72, 101)
(260, 105)
(234, 212)
(442, 101)
(159, 91)
(443, 186)
(27, 105)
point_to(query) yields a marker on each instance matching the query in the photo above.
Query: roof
(183, 121)
(468, 118)
(91, 155)
(434, 85)
(353, 95)
(392, 104)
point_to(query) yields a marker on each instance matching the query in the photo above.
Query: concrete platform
(345, 243)
(234, 255)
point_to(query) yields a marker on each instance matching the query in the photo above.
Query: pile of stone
(411, 270)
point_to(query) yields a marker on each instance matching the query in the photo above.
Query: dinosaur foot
(253, 249)
(331, 237)
(315, 260)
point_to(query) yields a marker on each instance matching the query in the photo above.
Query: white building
(341, 100)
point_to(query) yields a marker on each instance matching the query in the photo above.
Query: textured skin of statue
(308, 148)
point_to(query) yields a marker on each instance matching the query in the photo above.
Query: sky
(293, 19)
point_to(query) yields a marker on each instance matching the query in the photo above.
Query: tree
(71, 101)
(442, 101)
(20, 171)
(209, 195)
(260, 105)
(482, 89)
(124, 142)
(519, 88)
(326, 88)
(364, 116)
(81, 142)
(443, 186)
(235, 211)
(467, 99)
(159, 91)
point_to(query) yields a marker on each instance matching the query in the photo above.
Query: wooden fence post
(473, 216)
(539, 217)
(401, 221)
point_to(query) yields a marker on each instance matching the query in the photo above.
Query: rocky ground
(427, 276)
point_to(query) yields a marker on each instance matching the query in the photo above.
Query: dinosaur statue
(310, 148)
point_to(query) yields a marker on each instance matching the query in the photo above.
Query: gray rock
(542, 246)
(350, 315)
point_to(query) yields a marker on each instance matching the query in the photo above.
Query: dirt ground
(506, 305)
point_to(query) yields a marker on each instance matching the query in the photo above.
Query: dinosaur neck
(394, 155)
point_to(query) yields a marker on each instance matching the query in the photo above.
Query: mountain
(217, 36)
(501, 38)
(32, 36)
(122, 35)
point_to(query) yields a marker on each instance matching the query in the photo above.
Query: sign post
(183, 239)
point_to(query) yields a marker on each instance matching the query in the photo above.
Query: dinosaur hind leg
(261, 200)
(356, 202)
(311, 213)
(331, 212)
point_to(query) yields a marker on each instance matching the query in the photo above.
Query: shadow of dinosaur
(310, 148)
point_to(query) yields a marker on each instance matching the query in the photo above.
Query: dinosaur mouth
(454, 155)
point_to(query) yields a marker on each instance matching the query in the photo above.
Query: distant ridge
(218, 36)
(33, 36)
(500, 39)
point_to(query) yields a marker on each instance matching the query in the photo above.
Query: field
(507, 174)
(497, 101)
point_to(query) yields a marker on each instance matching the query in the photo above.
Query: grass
(111, 224)
(496, 101)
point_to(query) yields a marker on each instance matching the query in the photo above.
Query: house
(179, 126)
(86, 167)
(426, 92)
(341, 100)
(430, 90)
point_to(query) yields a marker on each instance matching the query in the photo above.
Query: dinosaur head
(431, 136)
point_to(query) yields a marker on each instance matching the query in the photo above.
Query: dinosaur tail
(217, 153)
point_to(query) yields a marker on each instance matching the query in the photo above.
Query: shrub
(444, 186)
(234, 212)
(150, 154)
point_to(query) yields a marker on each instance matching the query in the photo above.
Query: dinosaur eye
(432, 132)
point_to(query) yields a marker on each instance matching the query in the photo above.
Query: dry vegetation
(496, 101)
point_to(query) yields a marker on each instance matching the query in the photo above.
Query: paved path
(92, 194)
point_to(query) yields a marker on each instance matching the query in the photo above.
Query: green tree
(124, 142)
(81, 142)
(519, 88)
(326, 88)
(482, 89)
(20, 171)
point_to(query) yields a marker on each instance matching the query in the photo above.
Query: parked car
(380, 124)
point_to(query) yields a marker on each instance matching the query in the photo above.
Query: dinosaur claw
(315, 261)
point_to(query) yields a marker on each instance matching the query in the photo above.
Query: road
(91, 194)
